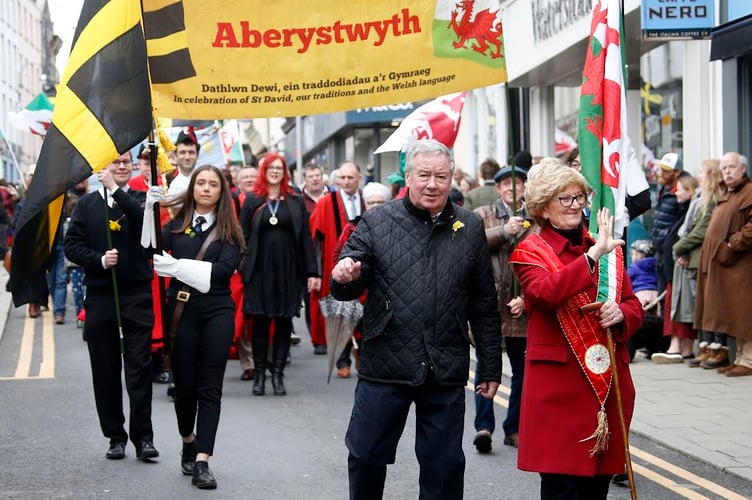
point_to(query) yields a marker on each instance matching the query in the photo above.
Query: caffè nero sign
(677, 19)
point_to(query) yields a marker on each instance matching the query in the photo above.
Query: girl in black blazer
(205, 329)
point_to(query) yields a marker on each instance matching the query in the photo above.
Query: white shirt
(346, 198)
(179, 185)
(109, 198)
(210, 217)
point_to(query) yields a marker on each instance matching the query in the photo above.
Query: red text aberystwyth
(241, 35)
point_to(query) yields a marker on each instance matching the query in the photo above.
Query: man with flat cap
(505, 226)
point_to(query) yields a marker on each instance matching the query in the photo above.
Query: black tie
(199, 222)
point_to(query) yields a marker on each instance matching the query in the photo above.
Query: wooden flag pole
(617, 393)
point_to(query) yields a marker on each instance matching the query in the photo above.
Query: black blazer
(86, 240)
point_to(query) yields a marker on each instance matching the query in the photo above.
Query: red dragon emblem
(484, 29)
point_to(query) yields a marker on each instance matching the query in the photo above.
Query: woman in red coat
(569, 425)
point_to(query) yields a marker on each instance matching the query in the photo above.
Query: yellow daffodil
(456, 226)
(115, 226)
(526, 224)
(190, 232)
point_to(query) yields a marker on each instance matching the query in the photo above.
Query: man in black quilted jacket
(425, 265)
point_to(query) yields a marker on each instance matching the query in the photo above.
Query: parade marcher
(205, 242)
(246, 179)
(726, 265)
(505, 227)
(142, 182)
(187, 149)
(425, 266)
(567, 392)
(328, 219)
(278, 268)
(86, 244)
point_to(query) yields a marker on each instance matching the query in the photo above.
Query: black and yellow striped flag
(102, 109)
(167, 41)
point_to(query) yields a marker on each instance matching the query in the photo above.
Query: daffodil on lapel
(456, 226)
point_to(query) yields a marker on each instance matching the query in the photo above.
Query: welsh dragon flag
(35, 117)
(605, 149)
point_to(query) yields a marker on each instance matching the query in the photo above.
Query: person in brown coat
(506, 226)
(726, 264)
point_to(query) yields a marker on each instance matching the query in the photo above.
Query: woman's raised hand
(605, 241)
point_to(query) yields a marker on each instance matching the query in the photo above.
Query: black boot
(259, 381)
(278, 375)
(279, 356)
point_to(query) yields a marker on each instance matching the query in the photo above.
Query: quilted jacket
(425, 281)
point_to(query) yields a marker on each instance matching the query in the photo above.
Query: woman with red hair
(278, 267)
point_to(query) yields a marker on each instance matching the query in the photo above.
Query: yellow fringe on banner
(164, 141)
(165, 167)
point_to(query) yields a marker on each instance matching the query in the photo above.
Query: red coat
(559, 406)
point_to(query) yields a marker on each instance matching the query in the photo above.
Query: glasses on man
(575, 164)
(566, 201)
(126, 163)
(375, 202)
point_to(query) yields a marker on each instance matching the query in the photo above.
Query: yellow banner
(252, 59)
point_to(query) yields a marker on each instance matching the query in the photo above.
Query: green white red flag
(35, 117)
(604, 146)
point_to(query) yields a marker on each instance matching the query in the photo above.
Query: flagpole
(166, 340)
(595, 306)
(115, 294)
(12, 154)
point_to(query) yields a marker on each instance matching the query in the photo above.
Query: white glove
(165, 264)
(155, 194)
(192, 272)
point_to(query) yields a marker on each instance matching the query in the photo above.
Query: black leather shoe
(188, 458)
(116, 450)
(146, 451)
(203, 478)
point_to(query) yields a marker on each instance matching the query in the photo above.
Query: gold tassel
(165, 167)
(601, 434)
(164, 141)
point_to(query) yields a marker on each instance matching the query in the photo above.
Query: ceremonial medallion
(597, 359)
(273, 220)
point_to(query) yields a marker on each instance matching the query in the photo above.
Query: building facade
(27, 50)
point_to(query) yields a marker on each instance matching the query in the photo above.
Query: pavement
(694, 411)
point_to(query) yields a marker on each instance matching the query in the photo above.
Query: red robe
(325, 233)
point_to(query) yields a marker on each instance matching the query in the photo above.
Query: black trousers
(566, 487)
(377, 421)
(199, 359)
(102, 339)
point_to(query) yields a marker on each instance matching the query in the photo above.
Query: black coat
(425, 282)
(250, 225)
(86, 239)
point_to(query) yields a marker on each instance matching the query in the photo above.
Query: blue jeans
(57, 280)
(484, 408)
